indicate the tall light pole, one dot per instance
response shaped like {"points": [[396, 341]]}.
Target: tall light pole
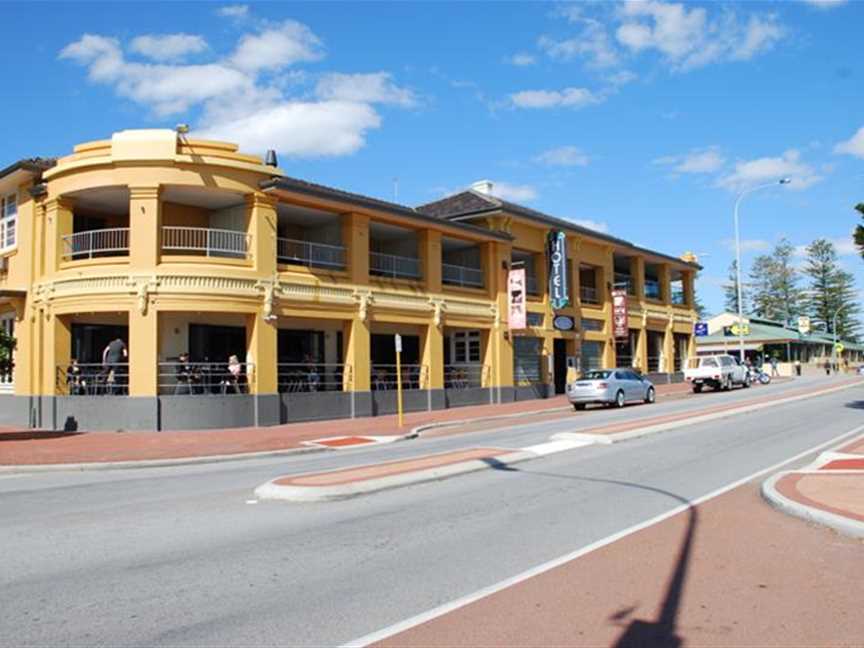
{"points": [[834, 333], [782, 181]]}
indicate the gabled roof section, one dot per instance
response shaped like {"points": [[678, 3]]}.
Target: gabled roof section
{"points": [[322, 191], [33, 165], [473, 203]]}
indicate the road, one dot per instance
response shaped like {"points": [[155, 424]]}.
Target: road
{"points": [[185, 556]]}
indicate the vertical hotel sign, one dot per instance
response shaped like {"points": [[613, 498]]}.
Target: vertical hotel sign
{"points": [[516, 307], [558, 270], [619, 313]]}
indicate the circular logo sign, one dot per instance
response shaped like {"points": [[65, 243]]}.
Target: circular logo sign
{"points": [[563, 323]]}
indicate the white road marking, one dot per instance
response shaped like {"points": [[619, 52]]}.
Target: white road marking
{"points": [[252, 501], [461, 602]]}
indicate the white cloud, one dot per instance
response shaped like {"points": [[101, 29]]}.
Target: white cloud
{"points": [[597, 226], [296, 128], [377, 87], [853, 146], [513, 192], [843, 246], [167, 47], [239, 99], [522, 60], [592, 43], [825, 4], [277, 47], [233, 11], [566, 98], [688, 38], [708, 160], [748, 245], [771, 169], [562, 156]]}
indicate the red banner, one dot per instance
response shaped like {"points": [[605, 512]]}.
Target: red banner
{"points": [[516, 306], [619, 314]]}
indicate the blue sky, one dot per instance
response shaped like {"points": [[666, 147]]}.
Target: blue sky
{"points": [[639, 118]]}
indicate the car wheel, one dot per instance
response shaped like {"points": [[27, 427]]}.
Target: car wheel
{"points": [[619, 399], [746, 383], [650, 396], [578, 406], [697, 389]]}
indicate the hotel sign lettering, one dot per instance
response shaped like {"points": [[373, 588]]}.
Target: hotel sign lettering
{"points": [[558, 270], [516, 307], [619, 313]]}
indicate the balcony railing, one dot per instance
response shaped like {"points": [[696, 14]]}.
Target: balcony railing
{"points": [[652, 289], [200, 378], [390, 265], [588, 295], [303, 377], [92, 379], [384, 376], [96, 243], [678, 298], [456, 275], [314, 255], [624, 281], [209, 241]]}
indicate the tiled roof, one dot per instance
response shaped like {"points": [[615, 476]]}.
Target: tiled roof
{"points": [[35, 165]]}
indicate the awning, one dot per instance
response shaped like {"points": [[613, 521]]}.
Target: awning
{"points": [[723, 348]]}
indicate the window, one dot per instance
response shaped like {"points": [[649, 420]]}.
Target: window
{"points": [[465, 347], [7, 324], [8, 221], [592, 324]]}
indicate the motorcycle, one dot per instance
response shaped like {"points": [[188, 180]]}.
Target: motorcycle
{"points": [[758, 375]]}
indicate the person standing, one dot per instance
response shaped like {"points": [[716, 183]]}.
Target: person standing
{"points": [[773, 361], [114, 356]]}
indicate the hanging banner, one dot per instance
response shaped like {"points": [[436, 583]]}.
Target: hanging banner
{"points": [[558, 294], [516, 307], [619, 313], [804, 325]]}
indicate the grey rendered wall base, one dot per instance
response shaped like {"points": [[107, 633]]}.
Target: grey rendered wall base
{"points": [[15, 410]]}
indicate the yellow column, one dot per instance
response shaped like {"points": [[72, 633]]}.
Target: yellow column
{"points": [[262, 352], [56, 345], [261, 226], [637, 277], [355, 238], [640, 354], [548, 353], [605, 279], [669, 349], [689, 288], [575, 297], [59, 223], [430, 259], [665, 283], [143, 345], [357, 355], [432, 356], [145, 227], [498, 351]]}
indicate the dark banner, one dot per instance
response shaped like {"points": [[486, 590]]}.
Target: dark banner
{"points": [[558, 270]]}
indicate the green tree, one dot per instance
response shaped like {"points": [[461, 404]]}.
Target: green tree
{"points": [[831, 290], [858, 234], [7, 346], [774, 281], [730, 291]]}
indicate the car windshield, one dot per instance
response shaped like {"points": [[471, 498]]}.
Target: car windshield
{"points": [[596, 375], [709, 362]]}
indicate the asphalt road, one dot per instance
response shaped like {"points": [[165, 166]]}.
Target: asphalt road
{"points": [[182, 556]]}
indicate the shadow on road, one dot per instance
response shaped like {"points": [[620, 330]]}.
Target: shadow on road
{"points": [[661, 632], [859, 405], [34, 435]]}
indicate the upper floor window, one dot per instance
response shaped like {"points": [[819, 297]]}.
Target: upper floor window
{"points": [[8, 221], [465, 347]]}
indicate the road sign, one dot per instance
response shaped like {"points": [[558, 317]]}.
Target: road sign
{"points": [[740, 329], [398, 340], [700, 329], [839, 347], [804, 325], [563, 323]]}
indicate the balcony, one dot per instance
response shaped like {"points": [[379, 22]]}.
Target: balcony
{"points": [[679, 298], [652, 289], [624, 281], [588, 295], [393, 266], [462, 276], [309, 254], [206, 241], [96, 243]]}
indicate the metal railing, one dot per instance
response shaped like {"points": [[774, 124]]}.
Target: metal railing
{"points": [[383, 376], [101, 242], [92, 379], [390, 265], [652, 289], [299, 377], [456, 275], [624, 361], [654, 363], [588, 295], [310, 254], [7, 384], [199, 378], [465, 376], [206, 240]]}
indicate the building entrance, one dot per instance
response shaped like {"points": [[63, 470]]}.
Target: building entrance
{"points": [[560, 359]]}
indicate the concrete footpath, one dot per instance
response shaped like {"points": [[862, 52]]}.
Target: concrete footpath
{"points": [[20, 447], [829, 491]]}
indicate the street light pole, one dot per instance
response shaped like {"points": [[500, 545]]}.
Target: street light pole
{"points": [[741, 195]]}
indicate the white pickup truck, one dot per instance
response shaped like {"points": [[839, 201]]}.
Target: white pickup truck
{"points": [[717, 372]]}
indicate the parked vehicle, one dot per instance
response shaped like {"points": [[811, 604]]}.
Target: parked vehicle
{"points": [[757, 374], [717, 372], [610, 387]]}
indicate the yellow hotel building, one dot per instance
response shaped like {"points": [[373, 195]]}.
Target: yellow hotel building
{"points": [[157, 245]]}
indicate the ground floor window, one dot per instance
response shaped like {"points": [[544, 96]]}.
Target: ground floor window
{"points": [[7, 325], [654, 340], [625, 349], [592, 356], [383, 353], [308, 361], [682, 349], [527, 360]]}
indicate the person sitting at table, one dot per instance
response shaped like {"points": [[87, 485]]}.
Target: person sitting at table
{"points": [[75, 380], [231, 381], [187, 377]]}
